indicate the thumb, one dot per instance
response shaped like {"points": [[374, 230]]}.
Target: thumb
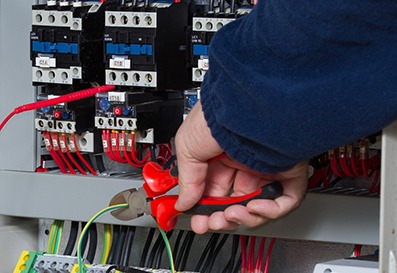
{"points": [[194, 146], [191, 183]]}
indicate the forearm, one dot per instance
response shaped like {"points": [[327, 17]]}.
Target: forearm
{"points": [[280, 91]]}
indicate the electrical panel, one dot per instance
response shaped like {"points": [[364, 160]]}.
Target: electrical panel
{"points": [[155, 54]]}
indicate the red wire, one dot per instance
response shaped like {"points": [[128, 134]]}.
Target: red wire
{"points": [[111, 154], [117, 152], [334, 167], [243, 254], [375, 182], [58, 161], [269, 252], [345, 167], [71, 157], [251, 254], [106, 145], [356, 170], [53, 154], [55, 138], [82, 158], [259, 258], [133, 153], [127, 156], [10, 115], [61, 99]]}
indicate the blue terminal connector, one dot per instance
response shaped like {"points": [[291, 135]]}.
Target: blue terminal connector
{"points": [[132, 49], [48, 47]]}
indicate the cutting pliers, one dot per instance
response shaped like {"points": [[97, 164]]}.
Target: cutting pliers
{"points": [[151, 199]]}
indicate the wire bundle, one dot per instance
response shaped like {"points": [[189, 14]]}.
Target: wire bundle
{"points": [[249, 264], [120, 147], [62, 148], [347, 161]]}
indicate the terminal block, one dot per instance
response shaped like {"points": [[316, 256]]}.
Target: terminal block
{"points": [[145, 47], [204, 26], [27, 261], [51, 263], [156, 116], [67, 44], [69, 118]]}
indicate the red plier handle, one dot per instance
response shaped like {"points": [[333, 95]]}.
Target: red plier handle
{"points": [[159, 181]]}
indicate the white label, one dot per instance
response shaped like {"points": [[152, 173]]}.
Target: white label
{"points": [[105, 144], [45, 62], [55, 143], [203, 64], [116, 96], [121, 142], [72, 146], [46, 142], [120, 63], [113, 142], [62, 144], [53, 97], [129, 142]]}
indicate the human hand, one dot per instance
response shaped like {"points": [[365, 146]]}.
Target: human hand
{"points": [[195, 146]]}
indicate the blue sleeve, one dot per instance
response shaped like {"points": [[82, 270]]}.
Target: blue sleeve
{"points": [[295, 78]]}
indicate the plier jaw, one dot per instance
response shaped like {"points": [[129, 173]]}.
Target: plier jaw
{"points": [[138, 204]]}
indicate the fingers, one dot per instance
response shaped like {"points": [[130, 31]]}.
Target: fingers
{"points": [[191, 137]]}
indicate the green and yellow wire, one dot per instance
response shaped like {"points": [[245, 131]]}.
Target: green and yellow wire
{"points": [[104, 257], [84, 231], [168, 247], [107, 239], [55, 237]]}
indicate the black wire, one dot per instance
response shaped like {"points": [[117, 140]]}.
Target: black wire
{"points": [[140, 152], [238, 265], [74, 230], [187, 251], [93, 242], [233, 7], [160, 251], [235, 244], [230, 264], [180, 257], [109, 270], [208, 248], [78, 160], [222, 6], [146, 3], [177, 243], [88, 159], [211, 260], [211, 6], [115, 236], [134, 3], [153, 153], [145, 250], [99, 163], [128, 246], [153, 252], [120, 244], [85, 240], [334, 182], [169, 162]]}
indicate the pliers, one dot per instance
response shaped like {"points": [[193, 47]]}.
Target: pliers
{"points": [[150, 199]]}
